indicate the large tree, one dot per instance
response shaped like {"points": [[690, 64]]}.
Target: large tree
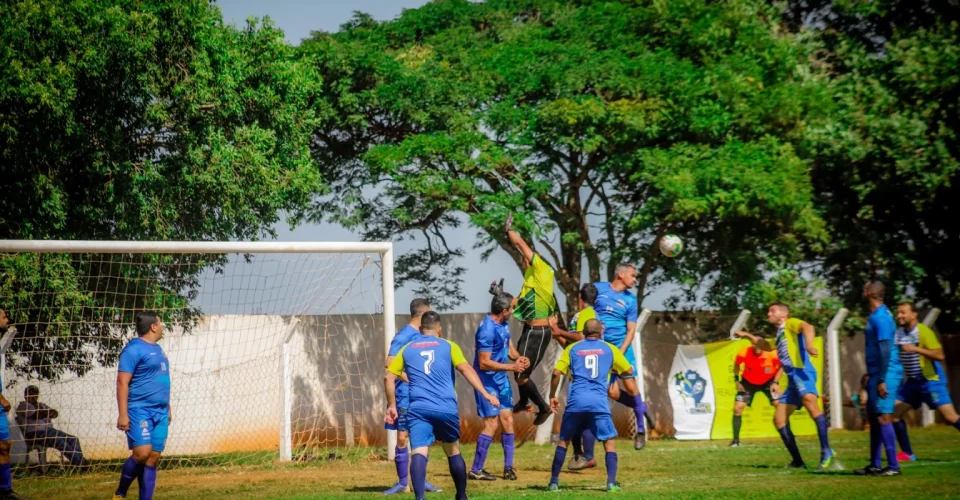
{"points": [[142, 120], [602, 125]]}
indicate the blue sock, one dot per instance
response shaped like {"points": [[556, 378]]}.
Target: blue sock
{"points": [[611, 460], [418, 475], [148, 482], [589, 443], [131, 470], [508, 441], [889, 438], [640, 410], [791, 443], [875, 443], [458, 471], [822, 434], [483, 443], [900, 428], [559, 457], [6, 480], [403, 464]]}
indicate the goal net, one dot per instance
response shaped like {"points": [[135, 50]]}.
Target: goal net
{"points": [[270, 346]]}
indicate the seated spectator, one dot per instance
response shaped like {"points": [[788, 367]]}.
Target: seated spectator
{"points": [[34, 418]]}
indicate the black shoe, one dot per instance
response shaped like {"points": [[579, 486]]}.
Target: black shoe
{"points": [[542, 416], [796, 465], [734, 444], [888, 471], [520, 408], [481, 475], [639, 440], [11, 495], [510, 474], [867, 471]]}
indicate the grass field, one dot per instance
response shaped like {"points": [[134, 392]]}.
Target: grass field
{"points": [[666, 469]]}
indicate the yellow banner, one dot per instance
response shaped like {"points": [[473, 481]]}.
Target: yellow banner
{"points": [[758, 418]]}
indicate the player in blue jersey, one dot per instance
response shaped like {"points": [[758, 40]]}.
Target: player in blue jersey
{"points": [[886, 374], [924, 379], [616, 308], [6, 479], [794, 346], [143, 399], [402, 459], [429, 362], [590, 364], [495, 357]]}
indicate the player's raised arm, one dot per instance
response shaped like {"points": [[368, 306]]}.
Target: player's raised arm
{"points": [[517, 241], [757, 341]]}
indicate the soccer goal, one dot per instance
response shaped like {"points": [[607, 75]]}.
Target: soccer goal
{"points": [[271, 345]]}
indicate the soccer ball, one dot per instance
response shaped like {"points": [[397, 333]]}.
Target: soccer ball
{"points": [[671, 245]]}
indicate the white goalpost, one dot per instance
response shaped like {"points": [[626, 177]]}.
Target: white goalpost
{"points": [[260, 336]]}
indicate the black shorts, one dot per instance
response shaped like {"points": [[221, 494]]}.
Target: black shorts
{"points": [[751, 390], [533, 344]]}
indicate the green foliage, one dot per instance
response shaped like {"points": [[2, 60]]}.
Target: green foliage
{"points": [[601, 125], [146, 120]]}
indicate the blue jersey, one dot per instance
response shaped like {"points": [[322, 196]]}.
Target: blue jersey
{"points": [[150, 384], [402, 338], [880, 327], [494, 338], [429, 363], [615, 309], [590, 362]]}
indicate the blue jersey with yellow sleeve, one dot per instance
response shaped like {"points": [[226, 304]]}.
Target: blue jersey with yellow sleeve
{"points": [[429, 363], [590, 363]]}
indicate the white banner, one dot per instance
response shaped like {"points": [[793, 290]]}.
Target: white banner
{"points": [[691, 393]]}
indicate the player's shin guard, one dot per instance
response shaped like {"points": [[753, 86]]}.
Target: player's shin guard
{"points": [[483, 443], [508, 441], [131, 470], [822, 434], [148, 482], [6, 480], [458, 471], [418, 475], [402, 461], [900, 428], [589, 443], [737, 422], [791, 443], [889, 438], [611, 461], [559, 457]]}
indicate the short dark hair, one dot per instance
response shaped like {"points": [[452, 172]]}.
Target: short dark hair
{"points": [[592, 328], [430, 321], [500, 303], [144, 320], [781, 305], [875, 289], [419, 306], [31, 390], [910, 304], [588, 294]]}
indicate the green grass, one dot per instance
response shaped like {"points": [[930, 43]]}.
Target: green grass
{"points": [[666, 469]]}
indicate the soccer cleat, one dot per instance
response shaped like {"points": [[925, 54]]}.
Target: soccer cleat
{"points": [[796, 465], [553, 487], [867, 471], [429, 488], [613, 488], [639, 440], [734, 444], [481, 475], [393, 490], [542, 416], [510, 474], [826, 461], [580, 463], [888, 471], [905, 457]]}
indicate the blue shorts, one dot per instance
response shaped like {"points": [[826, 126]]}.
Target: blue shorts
{"points": [[4, 427], [427, 426], [632, 359], [876, 405], [401, 424], [799, 383], [574, 423], [148, 426], [504, 393], [915, 392]]}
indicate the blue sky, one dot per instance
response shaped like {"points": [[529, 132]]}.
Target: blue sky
{"points": [[297, 18]]}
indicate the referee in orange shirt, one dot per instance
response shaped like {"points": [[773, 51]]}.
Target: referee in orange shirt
{"points": [[761, 370]]}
